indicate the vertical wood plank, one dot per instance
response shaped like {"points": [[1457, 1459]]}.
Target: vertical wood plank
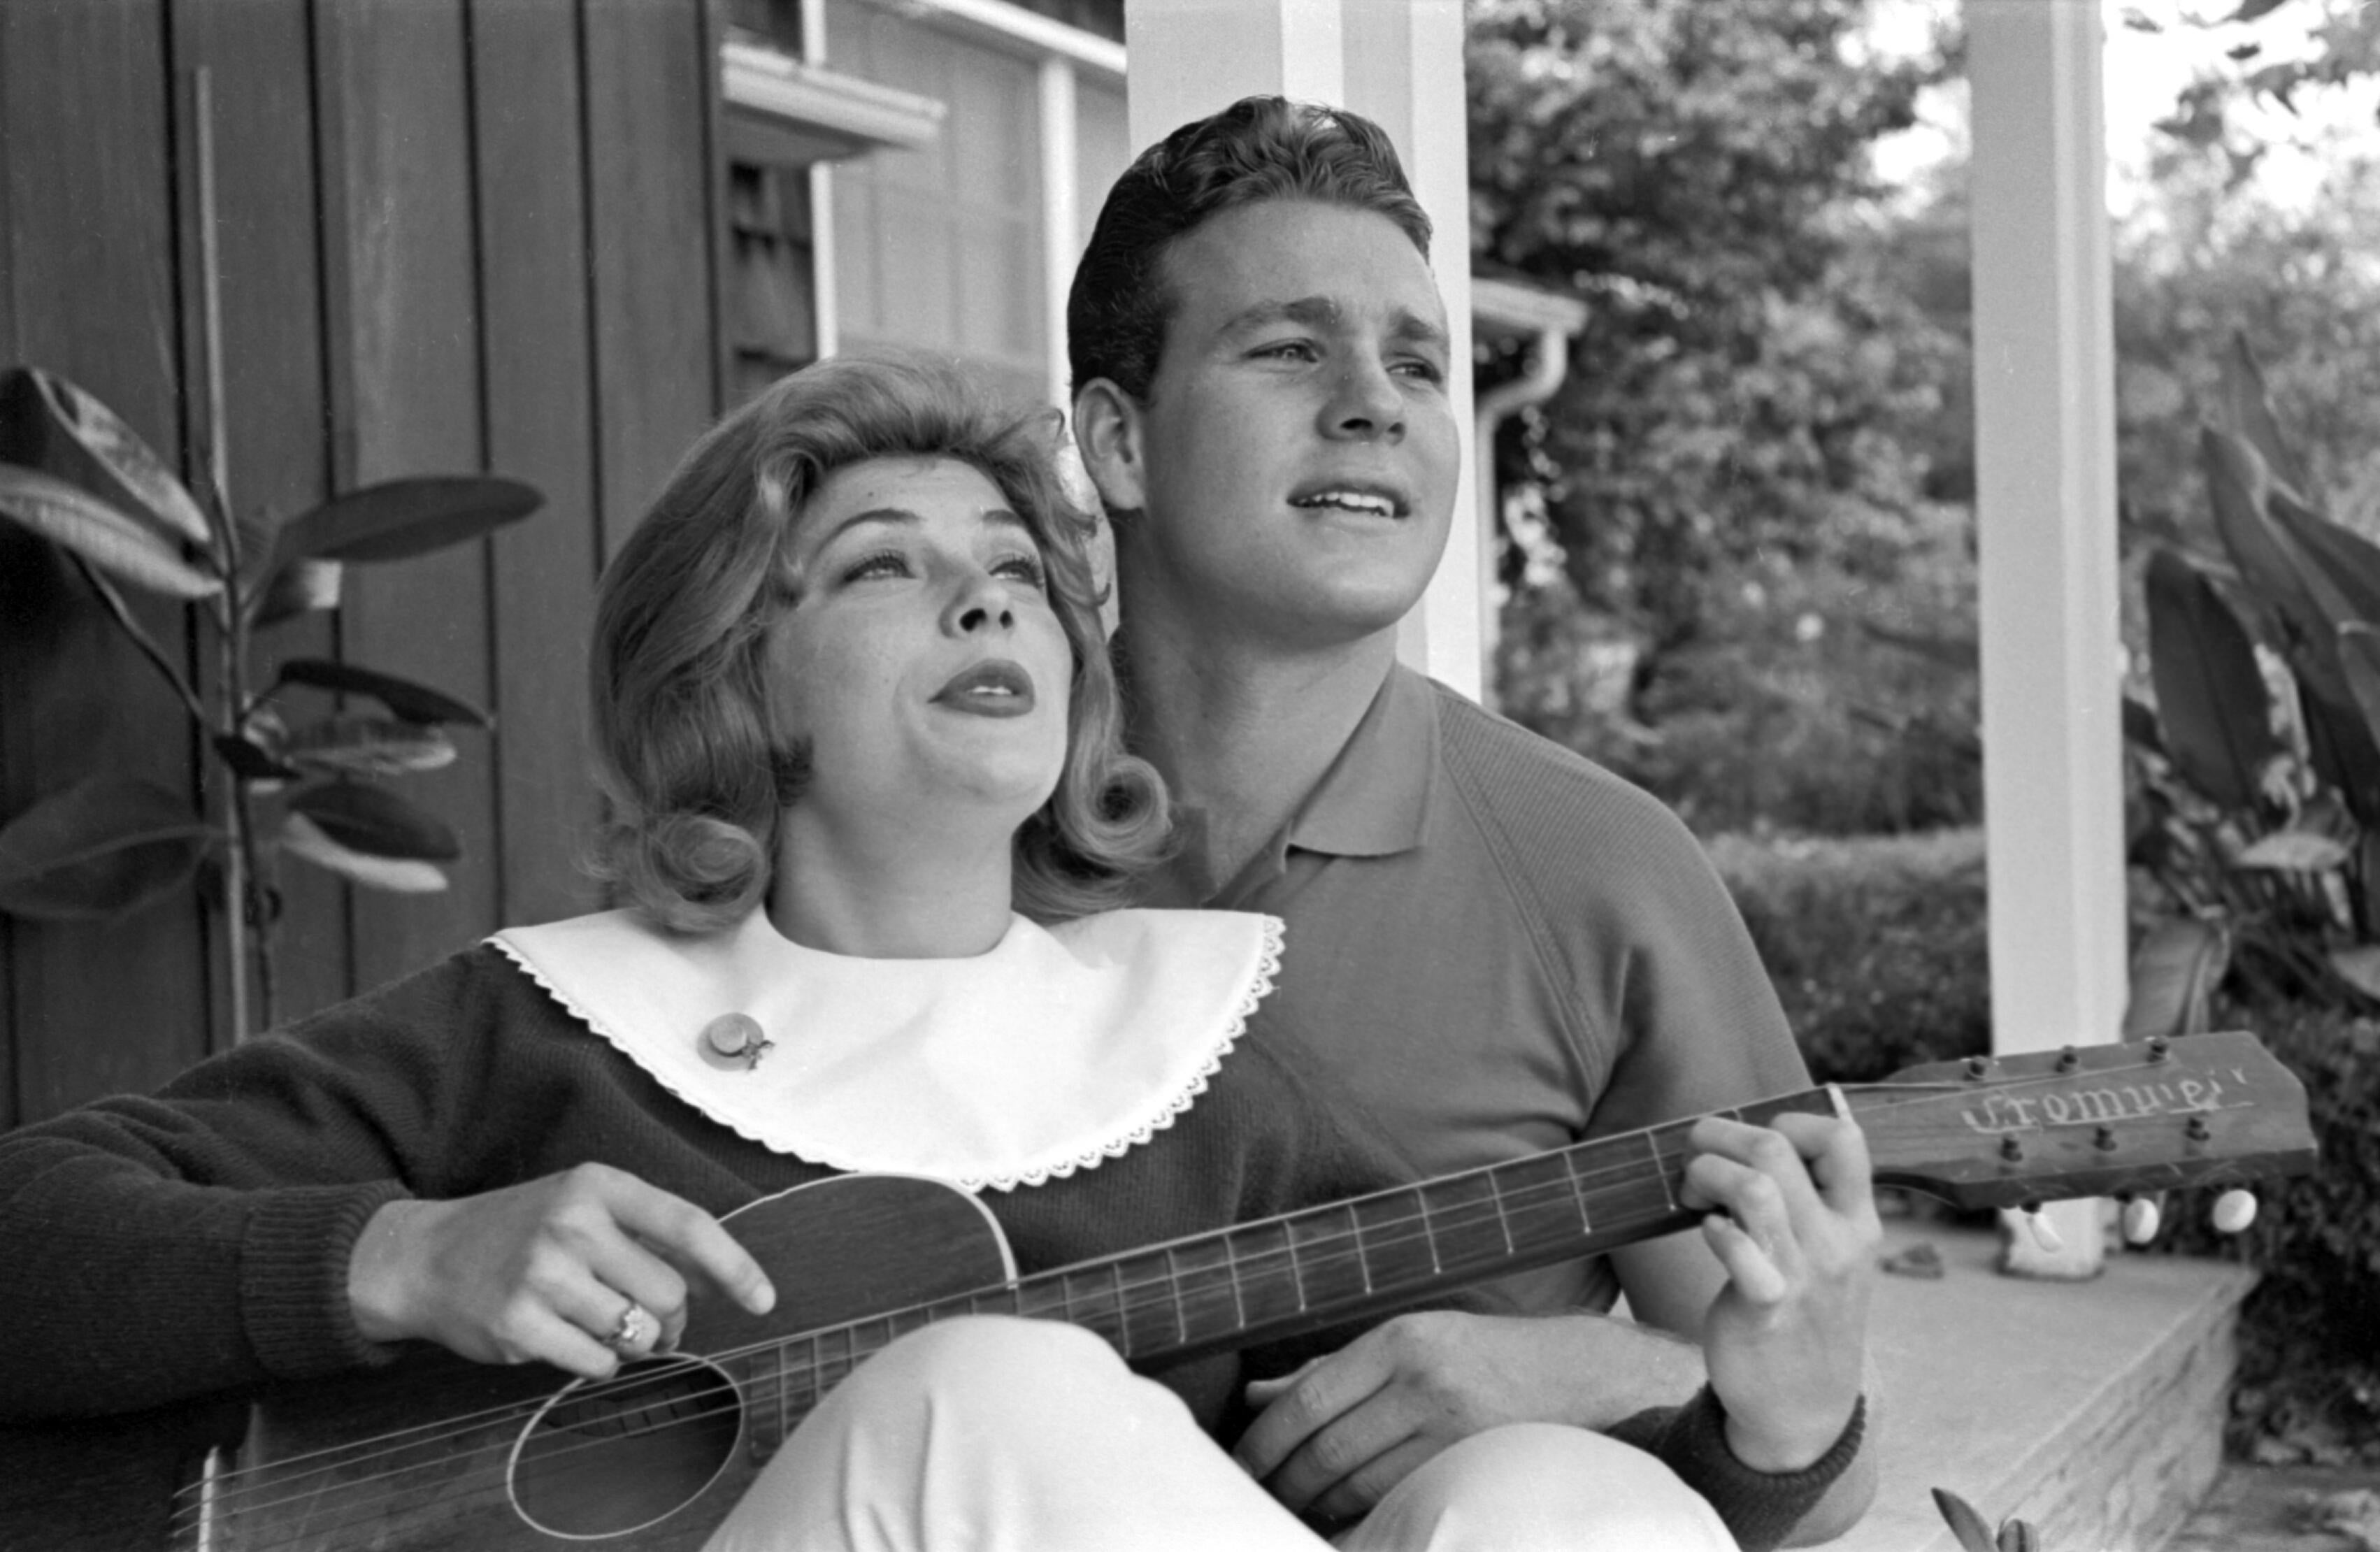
{"points": [[651, 85], [393, 83], [87, 263], [258, 55], [538, 359]]}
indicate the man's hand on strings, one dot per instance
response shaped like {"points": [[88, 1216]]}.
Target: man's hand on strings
{"points": [[1796, 1230], [550, 1269]]}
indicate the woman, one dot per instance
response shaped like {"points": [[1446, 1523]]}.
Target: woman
{"points": [[858, 740]]}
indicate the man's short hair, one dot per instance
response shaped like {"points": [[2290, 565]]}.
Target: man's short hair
{"points": [[1260, 148]]}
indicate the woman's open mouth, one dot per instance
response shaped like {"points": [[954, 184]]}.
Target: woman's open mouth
{"points": [[995, 687]]}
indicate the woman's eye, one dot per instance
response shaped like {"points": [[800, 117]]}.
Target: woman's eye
{"points": [[886, 562], [1422, 367], [1026, 569]]}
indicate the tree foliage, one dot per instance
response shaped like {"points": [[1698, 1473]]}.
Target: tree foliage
{"points": [[1697, 173]]}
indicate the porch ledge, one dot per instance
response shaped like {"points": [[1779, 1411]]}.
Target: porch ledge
{"points": [[2095, 1409]]}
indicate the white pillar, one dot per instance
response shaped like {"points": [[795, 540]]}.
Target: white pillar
{"points": [[2046, 504], [1400, 64]]}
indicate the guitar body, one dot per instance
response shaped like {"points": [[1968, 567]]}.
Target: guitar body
{"points": [[374, 1463]]}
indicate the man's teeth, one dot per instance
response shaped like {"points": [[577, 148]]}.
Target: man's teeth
{"points": [[1374, 506]]}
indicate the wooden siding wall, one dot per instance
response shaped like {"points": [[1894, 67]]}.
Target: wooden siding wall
{"points": [[455, 234]]}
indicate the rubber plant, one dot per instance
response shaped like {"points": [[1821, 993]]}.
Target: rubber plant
{"points": [[283, 780], [2255, 780]]}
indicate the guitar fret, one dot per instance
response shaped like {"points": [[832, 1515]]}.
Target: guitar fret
{"points": [[1577, 1190], [1173, 1285], [1503, 1222]]}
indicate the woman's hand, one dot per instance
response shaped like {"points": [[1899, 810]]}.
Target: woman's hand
{"points": [[1786, 1338], [545, 1270]]}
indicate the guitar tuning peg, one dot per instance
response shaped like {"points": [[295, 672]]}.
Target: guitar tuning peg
{"points": [[2142, 1218], [2234, 1211], [2051, 1241]]}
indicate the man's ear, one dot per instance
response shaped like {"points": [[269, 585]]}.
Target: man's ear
{"points": [[1109, 435]]}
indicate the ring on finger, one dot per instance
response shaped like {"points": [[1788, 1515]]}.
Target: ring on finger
{"points": [[636, 1328]]}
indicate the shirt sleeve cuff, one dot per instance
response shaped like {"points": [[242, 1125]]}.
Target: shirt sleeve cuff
{"points": [[293, 1275], [1759, 1508]]}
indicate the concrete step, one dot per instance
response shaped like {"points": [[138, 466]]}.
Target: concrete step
{"points": [[2094, 1410]]}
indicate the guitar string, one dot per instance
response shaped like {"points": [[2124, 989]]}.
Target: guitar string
{"points": [[1131, 1298], [1311, 1259], [1127, 1305]]}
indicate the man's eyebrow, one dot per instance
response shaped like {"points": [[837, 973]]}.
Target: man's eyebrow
{"points": [[1314, 312], [1325, 312], [1412, 328]]}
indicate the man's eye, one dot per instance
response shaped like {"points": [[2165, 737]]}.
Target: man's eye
{"points": [[1291, 350], [1422, 367]]}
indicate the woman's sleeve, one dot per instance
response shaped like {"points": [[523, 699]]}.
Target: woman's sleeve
{"points": [[154, 1248]]}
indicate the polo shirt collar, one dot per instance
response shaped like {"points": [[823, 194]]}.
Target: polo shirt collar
{"points": [[1374, 801]]}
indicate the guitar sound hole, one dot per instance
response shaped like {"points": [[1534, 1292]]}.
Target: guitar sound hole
{"points": [[605, 1458]]}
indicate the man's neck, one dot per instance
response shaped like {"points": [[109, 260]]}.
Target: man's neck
{"points": [[1242, 730]]}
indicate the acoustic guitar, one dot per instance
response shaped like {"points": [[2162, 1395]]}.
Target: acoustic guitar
{"points": [[437, 1452]]}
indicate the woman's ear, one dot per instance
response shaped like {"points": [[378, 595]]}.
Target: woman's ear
{"points": [[1108, 434]]}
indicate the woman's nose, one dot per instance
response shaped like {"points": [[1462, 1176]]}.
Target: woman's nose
{"points": [[982, 604]]}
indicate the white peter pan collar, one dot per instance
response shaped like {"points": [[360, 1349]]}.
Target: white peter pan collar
{"points": [[1060, 1046]]}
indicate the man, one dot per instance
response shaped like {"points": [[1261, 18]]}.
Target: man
{"points": [[1494, 947]]}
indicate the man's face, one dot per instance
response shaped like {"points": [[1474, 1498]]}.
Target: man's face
{"points": [[1296, 457]]}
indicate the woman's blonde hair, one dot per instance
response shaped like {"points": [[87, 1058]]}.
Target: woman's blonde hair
{"points": [[694, 772]]}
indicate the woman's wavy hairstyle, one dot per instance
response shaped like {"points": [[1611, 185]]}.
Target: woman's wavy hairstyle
{"points": [[694, 774]]}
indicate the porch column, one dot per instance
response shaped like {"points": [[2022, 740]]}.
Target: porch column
{"points": [[1400, 64], [2046, 510]]}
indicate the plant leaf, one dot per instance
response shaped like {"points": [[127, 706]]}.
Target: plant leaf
{"points": [[118, 453], [2359, 967], [251, 761], [2237, 484], [2359, 653], [2341, 746], [376, 822], [368, 747], [299, 587], [2174, 973], [2210, 693], [2247, 404], [98, 850], [2141, 726], [1966, 1523], [109, 539], [2294, 851], [403, 517], [301, 837], [2342, 566], [415, 703]]}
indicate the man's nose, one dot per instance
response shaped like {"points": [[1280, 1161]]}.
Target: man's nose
{"points": [[1365, 404]]}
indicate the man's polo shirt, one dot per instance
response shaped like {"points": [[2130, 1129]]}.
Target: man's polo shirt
{"points": [[1496, 947]]}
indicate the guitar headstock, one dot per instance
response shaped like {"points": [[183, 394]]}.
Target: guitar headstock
{"points": [[2091, 1121]]}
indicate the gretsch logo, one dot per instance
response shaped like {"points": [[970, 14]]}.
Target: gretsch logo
{"points": [[2002, 1111]]}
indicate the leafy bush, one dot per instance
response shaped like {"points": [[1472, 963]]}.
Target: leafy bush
{"points": [[2255, 782], [1798, 706], [1876, 944], [2309, 1383]]}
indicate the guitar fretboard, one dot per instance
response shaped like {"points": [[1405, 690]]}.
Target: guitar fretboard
{"points": [[1282, 1277]]}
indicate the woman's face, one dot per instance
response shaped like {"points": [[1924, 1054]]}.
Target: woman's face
{"points": [[922, 661]]}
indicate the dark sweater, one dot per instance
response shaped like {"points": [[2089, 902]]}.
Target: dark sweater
{"points": [[161, 1257]]}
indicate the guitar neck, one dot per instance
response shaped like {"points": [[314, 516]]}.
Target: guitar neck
{"points": [[1283, 1277]]}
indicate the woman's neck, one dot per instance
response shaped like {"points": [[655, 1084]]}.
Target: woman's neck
{"points": [[922, 894]]}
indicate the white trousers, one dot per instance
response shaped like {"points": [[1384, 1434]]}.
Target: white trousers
{"points": [[995, 1435]]}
